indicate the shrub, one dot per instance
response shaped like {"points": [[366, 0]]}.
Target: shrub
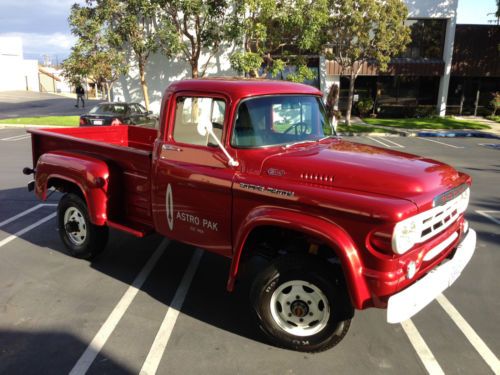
{"points": [[365, 105]]}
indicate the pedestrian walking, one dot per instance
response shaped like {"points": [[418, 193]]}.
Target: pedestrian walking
{"points": [[80, 93]]}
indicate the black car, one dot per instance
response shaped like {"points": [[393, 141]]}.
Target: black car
{"points": [[118, 113]]}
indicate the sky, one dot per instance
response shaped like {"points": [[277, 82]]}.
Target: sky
{"points": [[43, 24]]}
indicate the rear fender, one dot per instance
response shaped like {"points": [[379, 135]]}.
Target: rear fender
{"points": [[324, 230], [89, 174]]}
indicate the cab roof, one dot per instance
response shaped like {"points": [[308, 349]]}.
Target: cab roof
{"points": [[238, 87]]}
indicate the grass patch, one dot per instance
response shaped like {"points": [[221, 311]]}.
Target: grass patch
{"points": [[437, 123], [494, 118], [360, 129], [45, 120]]}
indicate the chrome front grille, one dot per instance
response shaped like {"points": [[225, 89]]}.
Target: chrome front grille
{"points": [[439, 218]]}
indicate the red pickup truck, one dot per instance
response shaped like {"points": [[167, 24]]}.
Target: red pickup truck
{"points": [[252, 170]]}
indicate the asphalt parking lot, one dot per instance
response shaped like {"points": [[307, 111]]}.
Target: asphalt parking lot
{"points": [[115, 315]]}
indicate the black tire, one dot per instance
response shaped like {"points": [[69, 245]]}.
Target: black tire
{"points": [[85, 246], [336, 313]]}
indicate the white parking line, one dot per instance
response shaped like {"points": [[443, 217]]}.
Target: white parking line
{"points": [[114, 318], [441, 143], [487, 215], [12, 237], [15, 138], [382, 143], [424, 353], [471, 335], [150, 365], [38, 206], [397, 144]]}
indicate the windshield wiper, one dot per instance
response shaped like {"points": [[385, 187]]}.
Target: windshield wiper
{"points": [[328, 136], [288, 145]]}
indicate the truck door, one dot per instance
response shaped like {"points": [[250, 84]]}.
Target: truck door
{"points": [[192, 198]]}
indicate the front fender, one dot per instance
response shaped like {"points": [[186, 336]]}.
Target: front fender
{"points": [[88, 173], [321, 228]]}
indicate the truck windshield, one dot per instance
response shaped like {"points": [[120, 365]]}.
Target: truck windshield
{"points": [[280, 120]]}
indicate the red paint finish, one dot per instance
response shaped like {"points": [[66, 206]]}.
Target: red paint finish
{"points": [[341, 194]]}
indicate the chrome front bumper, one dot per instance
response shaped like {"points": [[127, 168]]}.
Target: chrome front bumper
{"points": [[408, 302]]}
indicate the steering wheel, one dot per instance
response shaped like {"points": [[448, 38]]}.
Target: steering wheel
{"points": [[301, 128]]}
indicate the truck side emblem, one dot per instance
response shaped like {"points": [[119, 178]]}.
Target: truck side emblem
{"points": [[275, 172], [170, 207]]}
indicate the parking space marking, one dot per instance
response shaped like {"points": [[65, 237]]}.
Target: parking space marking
{"points": [[487, 215], [424, 353], [102, 336], [150, 365], [14, 218], [397, 144], [15, 138], [382, 143], [12, 237], [441, 143], [471, 335]]}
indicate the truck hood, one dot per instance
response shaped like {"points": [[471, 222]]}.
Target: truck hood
{"points": [[356, 166]]}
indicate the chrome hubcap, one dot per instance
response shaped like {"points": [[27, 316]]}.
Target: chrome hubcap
{"points": [[300, 308], [75, 226]]}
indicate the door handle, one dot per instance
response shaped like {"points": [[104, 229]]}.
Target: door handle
{"points": [[170, 148]]}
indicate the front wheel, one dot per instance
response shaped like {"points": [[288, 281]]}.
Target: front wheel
{"points": [[82, 238], [301, 303]]}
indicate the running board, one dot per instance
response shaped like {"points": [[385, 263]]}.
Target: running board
{"points": [[141, 230]]}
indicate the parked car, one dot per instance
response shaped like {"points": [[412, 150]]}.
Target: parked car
{"points": [[117, 114]]}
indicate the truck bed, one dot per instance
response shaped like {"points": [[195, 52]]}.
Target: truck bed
{"points": [[126, 149], [121, 135]]}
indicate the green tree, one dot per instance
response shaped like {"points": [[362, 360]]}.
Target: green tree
{"points": [[278, 33], [199, 25], [365, 31], [128, 27], [92, 57]]}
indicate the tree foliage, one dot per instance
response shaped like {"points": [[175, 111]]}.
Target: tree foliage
{"points": [[200, 25], [92, 57], [278, 33], [365, 31]]}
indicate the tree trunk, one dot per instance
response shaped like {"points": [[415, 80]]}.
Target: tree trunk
{"points": [[350, 97], [108, 91], [194, 69], [144, 85]]}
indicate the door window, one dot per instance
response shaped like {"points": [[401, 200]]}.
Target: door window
{"points": [[190, 111]]}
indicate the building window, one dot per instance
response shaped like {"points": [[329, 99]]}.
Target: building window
{"points": [[427, 39]]}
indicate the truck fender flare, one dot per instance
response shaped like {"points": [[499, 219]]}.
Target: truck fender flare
{"points": [[89, 174], [323, 229]]}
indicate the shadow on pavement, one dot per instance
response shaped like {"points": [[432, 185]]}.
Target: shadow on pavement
{"points": [[125, 255], [43, 352]]}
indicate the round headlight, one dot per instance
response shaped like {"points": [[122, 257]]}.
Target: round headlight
{"points": [[406, 234]]}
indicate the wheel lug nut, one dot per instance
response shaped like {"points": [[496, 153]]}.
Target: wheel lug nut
{"points": [[310, 314], [288, 303], [301, 320], [298, 297], [289, 315], [309, 302]]}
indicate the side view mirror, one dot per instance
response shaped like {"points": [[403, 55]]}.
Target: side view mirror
{"points": [[205, 127]]}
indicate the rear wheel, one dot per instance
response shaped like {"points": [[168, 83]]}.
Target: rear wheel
{"points": [[301, 303], [82, 238]]}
